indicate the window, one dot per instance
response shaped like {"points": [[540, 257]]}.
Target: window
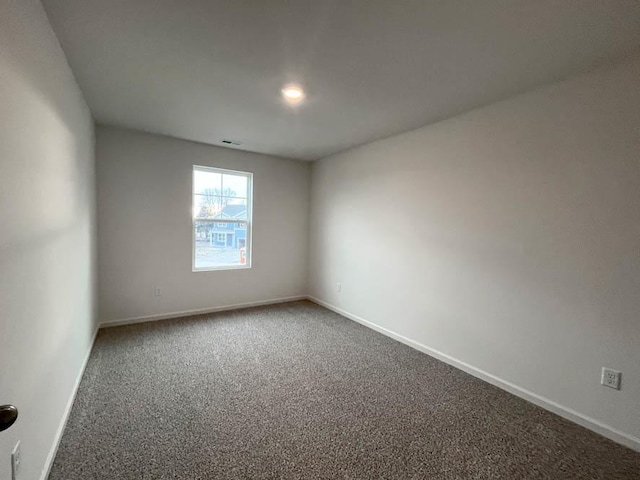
{"points": [[222, 199]]}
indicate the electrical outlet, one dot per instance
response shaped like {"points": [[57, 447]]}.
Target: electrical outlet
{"points": [[611, 378], [16, 460], [157, 292], [339, 287]]}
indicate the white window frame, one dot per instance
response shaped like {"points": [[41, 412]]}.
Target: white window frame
{"points": [[248, 222]]}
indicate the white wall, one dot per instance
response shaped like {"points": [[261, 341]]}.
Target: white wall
{"points": [[507, 238], [144, 224], [47, 234]]}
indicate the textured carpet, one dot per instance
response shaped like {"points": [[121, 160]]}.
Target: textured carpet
{"points": [[295, 391]]}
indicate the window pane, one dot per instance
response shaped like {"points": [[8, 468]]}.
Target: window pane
{"points": [[213, 206], [222, 216], [234, 185], [205, 180], [208, 205], [220, 246], [235, 208]]}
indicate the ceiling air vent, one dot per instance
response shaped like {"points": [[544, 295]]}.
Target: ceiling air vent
{"points": [[232, 142]]}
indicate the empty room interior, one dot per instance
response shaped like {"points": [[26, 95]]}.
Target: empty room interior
{"points": [[316, 239]]}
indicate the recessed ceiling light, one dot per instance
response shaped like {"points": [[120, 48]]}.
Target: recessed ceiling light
{"points": [[293, 93]]}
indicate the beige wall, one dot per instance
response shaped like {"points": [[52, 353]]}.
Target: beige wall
{"points": [[144, 224], [47, 234], [507, 238]]}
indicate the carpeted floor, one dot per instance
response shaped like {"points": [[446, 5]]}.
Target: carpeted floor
{"points": [[295, 391]]}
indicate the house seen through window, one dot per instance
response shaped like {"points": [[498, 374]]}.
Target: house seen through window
{"points": [[222, 206]]}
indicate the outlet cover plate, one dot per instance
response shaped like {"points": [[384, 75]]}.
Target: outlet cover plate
{"points": [[611, 378]]}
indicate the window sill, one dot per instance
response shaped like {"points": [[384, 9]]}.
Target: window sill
{"points": [[220, 269]]}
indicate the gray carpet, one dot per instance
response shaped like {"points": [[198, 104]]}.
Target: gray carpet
{"points": [[295, 391]]}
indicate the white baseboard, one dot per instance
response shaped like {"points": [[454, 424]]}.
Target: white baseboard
{"points": [[554, 407], [187, 313], [67, 411]]}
